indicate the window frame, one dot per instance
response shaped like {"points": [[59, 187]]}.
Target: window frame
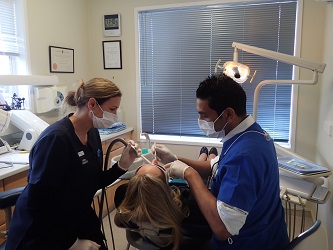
{"points": [[20, 64], [195, 141]]}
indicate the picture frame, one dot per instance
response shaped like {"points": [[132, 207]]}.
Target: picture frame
{"points": [[61, 59], [112, 54], [111, 25]]}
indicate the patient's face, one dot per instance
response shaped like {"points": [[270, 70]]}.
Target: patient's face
{"points": [[152, 170]]}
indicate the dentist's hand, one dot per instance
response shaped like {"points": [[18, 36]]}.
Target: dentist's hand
{"points": [[163, 154], [85, 245], [177, 169], [128, 155]]}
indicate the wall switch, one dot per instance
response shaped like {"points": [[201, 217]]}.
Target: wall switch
{"points": [[328, 128]]}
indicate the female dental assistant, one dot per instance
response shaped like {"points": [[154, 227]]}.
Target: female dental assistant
{"points": [[54, 211]]}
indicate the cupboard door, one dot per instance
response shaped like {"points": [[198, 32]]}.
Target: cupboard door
{"points": [[2, 214], [15, 181], [127, 136], [109, 204]]}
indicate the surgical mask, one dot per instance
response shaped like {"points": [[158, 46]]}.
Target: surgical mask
{"points": [[106, 121], [209, 130]]}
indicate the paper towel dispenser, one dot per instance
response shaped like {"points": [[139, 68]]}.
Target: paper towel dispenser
{"points": [[49, 98]]}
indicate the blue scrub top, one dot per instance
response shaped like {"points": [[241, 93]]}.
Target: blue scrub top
{"points": [[248, 178]]}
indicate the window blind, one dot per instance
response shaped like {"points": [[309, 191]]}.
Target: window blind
{"points": [[8, 34], [179, 48]]}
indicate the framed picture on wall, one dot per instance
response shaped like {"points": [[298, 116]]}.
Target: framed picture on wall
{"points": [[61, 60], [111, 25], [112, 54]]}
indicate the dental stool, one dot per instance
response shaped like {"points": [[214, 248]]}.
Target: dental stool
{"points": [[7, 201]]}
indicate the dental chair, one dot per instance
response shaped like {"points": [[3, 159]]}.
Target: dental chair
{"points": [[7, 202], [313, 238], [138, 240]]}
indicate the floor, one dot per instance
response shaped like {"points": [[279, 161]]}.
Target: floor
{"points": [[120, 241], [294, 231], [120, 237]]}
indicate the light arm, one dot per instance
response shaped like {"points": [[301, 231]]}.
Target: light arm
{"points": [[294, 60], [262, 83]]}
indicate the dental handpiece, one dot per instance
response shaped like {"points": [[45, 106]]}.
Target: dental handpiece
{"points": [[155, 156]]}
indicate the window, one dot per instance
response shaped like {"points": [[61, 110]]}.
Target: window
{"points": [[12, 49], [179, 48]]}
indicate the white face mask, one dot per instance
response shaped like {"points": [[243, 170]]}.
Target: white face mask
{"points": [[209, 130], [106, 121]]}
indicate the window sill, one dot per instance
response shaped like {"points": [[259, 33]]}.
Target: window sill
{"points": [[184, 140], [194, 141]]}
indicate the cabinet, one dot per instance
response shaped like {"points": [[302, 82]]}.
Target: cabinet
{"points": [[2, 214], [14, 181]]}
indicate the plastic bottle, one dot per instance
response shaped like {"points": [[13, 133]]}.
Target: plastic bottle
{"points": [[146, 147]]}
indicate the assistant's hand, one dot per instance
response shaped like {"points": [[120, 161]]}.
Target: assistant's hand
{"points": [[128, 155], [177, 169], [84, 245], [163, 154]]}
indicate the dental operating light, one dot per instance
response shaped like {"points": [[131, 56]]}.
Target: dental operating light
{"points": [[293, 60], [237, 71]]}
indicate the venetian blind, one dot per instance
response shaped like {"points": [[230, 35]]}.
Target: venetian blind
{"points": [[179, 48], [8, 35]]}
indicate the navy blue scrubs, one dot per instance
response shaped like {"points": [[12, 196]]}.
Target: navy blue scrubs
{"points": [[55, 207]]}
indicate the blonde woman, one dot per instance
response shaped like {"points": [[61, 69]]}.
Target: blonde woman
{"points": [[151, 206], [54, 211]]}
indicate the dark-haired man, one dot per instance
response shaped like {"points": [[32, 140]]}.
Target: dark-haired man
{"points": [[241, 199]]}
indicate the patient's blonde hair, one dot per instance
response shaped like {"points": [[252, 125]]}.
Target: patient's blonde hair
{"points": [[149, 199]]}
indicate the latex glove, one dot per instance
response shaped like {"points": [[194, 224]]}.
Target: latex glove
{"points": [[130, 152], [84, 245], [163, 154], [177, 169]]}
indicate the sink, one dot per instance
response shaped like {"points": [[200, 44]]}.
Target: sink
{"points": [[132, 169]]}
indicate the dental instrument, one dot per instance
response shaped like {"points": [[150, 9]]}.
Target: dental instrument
{"points": [[155, 156], [146, 160]]}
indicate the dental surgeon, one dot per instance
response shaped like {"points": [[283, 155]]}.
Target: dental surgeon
{"points": [[54, 211], [241, 199]]}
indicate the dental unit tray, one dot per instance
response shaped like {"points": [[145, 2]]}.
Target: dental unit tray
{"points": [[302, 168]]}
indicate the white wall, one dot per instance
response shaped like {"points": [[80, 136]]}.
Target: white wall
{"points": [[59, 23], [324, 143], [308, 96]]}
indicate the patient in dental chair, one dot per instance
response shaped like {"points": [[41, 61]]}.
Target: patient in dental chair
{"points": [[164, 215]]}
